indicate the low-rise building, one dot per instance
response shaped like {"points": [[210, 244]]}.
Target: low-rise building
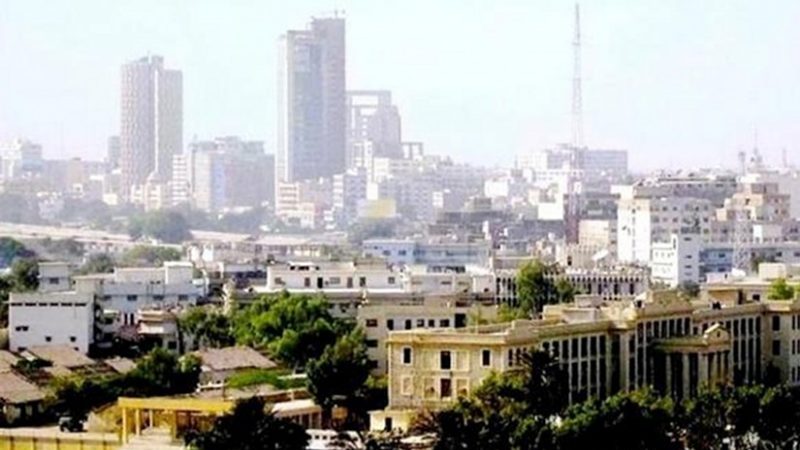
{"points": [[671, 344], [218, 365], [51, 318], [378, 318]]}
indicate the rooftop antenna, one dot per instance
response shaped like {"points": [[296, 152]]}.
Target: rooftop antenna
{"points": [[571, 219], [758, 161], [577, 97]]}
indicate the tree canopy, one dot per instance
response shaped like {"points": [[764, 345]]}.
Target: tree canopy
{"points": [[779, 289], [249, 427], [207, 328], [527, 410], [150, 256], [164, 225], [535, 288], [295, 328], [338, 376]]}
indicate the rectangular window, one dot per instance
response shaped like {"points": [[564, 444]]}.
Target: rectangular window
{"points": [[408, 324], [372, 343], [390, 324], [444, 323], [776, 323], [486, 358], [48, 339], [420, 323], [431, 323], [371, 323], [445, 360], [445, 388], [362, 282], [391, 280], [406, 355], [132, 298], [776, 347], [306, 282]]}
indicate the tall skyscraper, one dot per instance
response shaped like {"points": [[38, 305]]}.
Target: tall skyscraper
{"points": [[312, 101], [373, 127], [151, 122]]}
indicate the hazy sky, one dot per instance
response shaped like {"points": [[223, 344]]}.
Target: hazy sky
{"points": [[677, 83]]}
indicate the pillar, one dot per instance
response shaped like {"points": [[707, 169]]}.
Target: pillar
{"points": [[702, 369], [137, 420], [124, 426], [686, 383], [668, 369]]}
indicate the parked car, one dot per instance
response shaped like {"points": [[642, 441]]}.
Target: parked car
{"points": [[70, 424]]}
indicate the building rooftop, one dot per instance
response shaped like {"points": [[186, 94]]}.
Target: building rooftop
{"points": [[60, 355], [233, 358], [7, 361], [15, 389]]}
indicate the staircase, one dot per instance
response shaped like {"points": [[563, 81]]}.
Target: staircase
{"points": [[153, 439]]}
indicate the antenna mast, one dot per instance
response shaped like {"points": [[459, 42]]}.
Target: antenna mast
{"points": [[571, 222], [577, 96]]}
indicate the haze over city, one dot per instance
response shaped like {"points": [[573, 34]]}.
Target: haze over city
{"points": [[678, 84]]}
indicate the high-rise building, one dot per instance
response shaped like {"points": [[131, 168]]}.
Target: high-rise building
{"points": [[373, 127], [112, 153], [151, 125], [311, 101], [229, 173]]}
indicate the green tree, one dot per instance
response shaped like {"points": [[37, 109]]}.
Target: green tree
{"points": [[12, 249], [163, 225], [161, 372], [511, 410], [98, 263], [565, 291], [339, 375], [639, 420], [779, 289], [534, 288], [78, 396], [24, 275], [206, 328], [295, 328], [148, 255], [249, 427]]}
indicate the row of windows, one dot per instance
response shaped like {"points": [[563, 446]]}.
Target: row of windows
{"points": [[134, 298], [408, 324], [446, 358], [583, 347], [50, 305]]}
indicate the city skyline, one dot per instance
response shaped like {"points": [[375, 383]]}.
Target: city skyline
{"points": [[655, 94]]}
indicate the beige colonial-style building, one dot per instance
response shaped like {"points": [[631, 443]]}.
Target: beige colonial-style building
{"points": [[663, 341]]}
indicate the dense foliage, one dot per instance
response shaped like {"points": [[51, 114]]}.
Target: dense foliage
{"points": [[206, 328], [535, 289], [338, 377], [160, 372], [23, 276], [249, 427], [295, 328], [779, 289], [163, 225], [527, 410]]}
